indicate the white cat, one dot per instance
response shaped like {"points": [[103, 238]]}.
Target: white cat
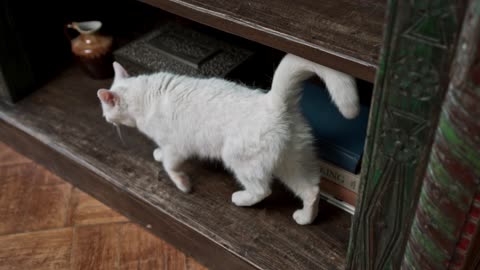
{"points": [[257, 135]]}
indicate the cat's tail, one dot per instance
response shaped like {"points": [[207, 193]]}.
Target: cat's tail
{"points": [[293, 70]]}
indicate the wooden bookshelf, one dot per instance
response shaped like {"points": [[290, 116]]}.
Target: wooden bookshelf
{"points": [[429, 76], [343, 34]]}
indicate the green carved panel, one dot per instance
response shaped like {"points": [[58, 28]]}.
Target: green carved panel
{"points": [[447, 215], [419, 41]]}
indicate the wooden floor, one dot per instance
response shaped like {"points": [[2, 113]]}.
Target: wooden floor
{"points": [[46, 223]]}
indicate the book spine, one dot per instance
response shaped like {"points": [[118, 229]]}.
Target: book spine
{"points": [[339, 192], [339, 176]]}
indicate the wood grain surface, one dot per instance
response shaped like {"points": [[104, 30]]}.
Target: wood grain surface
{"points": [[87, 210], [49, 249], [344, 35]]}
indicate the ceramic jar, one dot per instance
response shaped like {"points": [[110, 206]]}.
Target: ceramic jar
{"points": [[92, 49]]}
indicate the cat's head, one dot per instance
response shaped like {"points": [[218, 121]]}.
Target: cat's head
{"points": [[114, 101]]}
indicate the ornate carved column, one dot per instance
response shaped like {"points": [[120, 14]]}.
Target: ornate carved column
{"points": [[411, 83], [448, 213]]}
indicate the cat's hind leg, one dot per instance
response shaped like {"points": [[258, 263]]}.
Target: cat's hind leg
{"points": [[310, 197], [253, 177], [256, 189], [252, 159], [302, 177]]}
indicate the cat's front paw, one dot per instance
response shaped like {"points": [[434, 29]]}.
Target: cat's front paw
{"points": [[182, 181], [246, 198], [157, 154]]}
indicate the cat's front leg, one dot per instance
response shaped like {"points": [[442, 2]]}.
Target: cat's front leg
{"points": [[171, 162]]}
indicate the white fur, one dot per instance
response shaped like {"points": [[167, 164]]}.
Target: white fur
{"points": [[256, 135]]}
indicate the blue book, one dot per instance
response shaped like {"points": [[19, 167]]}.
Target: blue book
{"points": [[337, 139]]}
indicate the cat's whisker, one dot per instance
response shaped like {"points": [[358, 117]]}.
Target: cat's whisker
{"points": [[119, 132]]}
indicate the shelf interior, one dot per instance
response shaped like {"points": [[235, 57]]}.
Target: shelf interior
{"points": [[65, 115]]}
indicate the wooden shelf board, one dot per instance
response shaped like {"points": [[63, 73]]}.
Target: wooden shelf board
{"points": [[342, 34], [60, 126]]}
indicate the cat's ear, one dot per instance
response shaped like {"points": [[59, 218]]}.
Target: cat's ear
{"points": [[107, 97], [120, 72]]}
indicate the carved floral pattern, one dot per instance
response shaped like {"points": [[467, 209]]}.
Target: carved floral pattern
{"points": [[410, 86]]}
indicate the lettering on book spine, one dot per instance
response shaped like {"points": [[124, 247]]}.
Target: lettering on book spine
{"points": [[337, 176]]}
